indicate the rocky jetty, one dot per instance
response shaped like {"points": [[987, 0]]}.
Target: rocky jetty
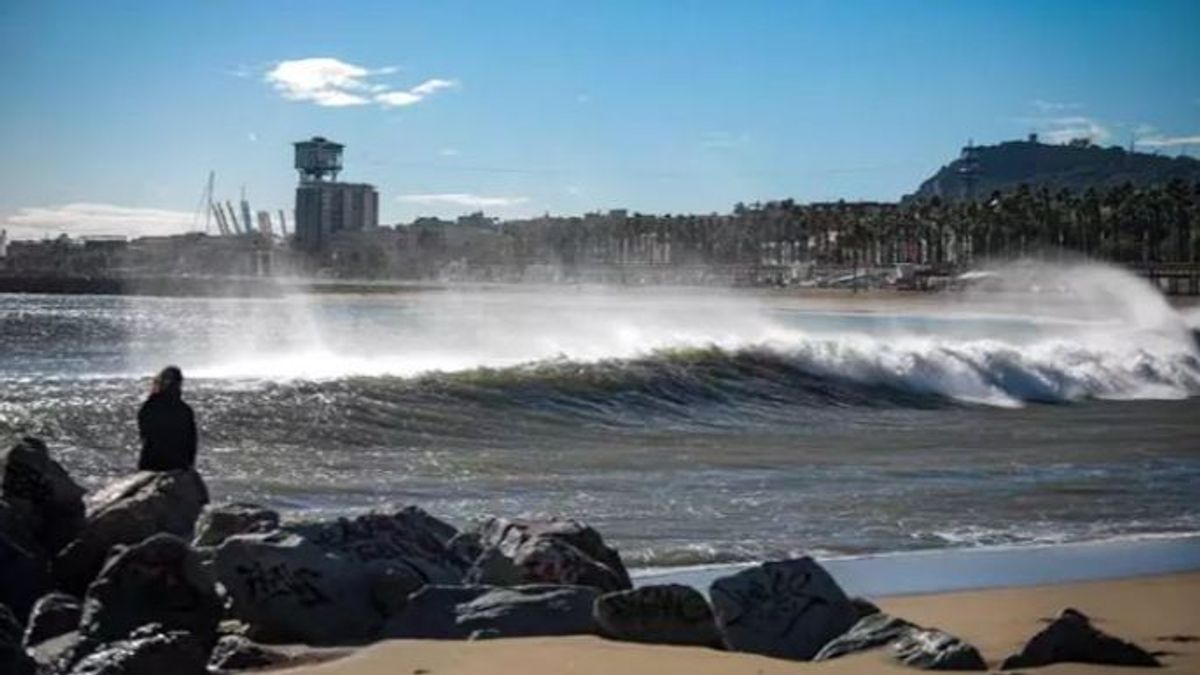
{"points": [[149, 578]]}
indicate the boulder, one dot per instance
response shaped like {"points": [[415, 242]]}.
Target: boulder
{"points": [[932, 649], [126, 512], [13, 658], [234, 652], [151, 650], [871, 631], [789, 609], [1072, 638], [546, 552], [218, 523], [40, 488], [334, 582], [288, 589], [53, 614], [666, 614], [159, 580], [24, 573], [458, 612], [864, 607]]}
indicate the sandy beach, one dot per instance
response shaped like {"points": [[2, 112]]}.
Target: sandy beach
{"points": [[1160, 613]]}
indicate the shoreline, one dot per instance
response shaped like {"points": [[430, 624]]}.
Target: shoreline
{"points": [[944, 570], [1160, 613]]}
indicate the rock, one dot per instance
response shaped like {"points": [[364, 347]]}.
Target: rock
{"points": [[38, 486], [787, 609], [218, 523], [334, 582], [457, 612], [24, 574], [288, 589], [52, 615], [932, 649], [54, 655], [234, 652], [126, 512], [159, 580], [1072, 638], [13, 658], [864, 607], [149, 651], [871, 631], [547, 552], [667, 614]]}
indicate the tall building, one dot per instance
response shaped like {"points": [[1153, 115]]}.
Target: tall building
{"points": [[323, 205]]}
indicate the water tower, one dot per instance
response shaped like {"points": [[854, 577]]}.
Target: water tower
{"points": [[318, 160]]}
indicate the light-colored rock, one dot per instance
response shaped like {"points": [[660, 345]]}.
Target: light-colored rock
{"points": [[218, 522], [234, 652], [159, 580], [546, 552], [458, 612], [1072, 638], [787, 609], [871, 631], [126, 512], [932, 649], [151, 650], [666, 614], [53, 614]]}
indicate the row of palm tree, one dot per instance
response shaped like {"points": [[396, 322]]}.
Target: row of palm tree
{"points": [[1140, 225]]}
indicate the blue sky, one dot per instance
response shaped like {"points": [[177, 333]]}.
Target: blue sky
{"points": [[114, 112]]}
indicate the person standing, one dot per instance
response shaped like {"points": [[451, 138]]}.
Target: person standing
{"points": [[167, 425]]}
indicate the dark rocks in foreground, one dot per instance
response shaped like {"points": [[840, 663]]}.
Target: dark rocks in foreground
{"points": [[334, 582], [13, 658], [1072, 638], [789, 609], [128, 511], [670, 614], [159, 581], [41, 491], [460, 612], [567, 552]]}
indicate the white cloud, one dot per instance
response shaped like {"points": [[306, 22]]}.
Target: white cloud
{"points": [[333, 83], [84, 219], [462, 199], [252, 137], [1045, 106], [1169, 141], [449, 152]]}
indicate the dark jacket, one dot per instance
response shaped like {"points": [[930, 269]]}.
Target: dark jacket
{"points": [[168, 430]]}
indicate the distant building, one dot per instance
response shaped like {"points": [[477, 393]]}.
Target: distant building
{"points": [[324, 206]]}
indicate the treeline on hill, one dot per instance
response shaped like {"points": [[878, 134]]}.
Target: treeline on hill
{"points": [[1124, 224]]}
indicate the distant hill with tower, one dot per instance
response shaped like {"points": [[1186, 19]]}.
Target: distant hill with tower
{"points": [[981, 170]]}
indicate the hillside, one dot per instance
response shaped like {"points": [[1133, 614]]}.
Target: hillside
{"points": [[1075, 167]]}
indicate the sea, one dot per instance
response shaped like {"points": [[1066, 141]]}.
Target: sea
{"points": [[691, 426]]}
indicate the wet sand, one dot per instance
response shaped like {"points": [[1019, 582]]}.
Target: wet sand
{"points": [[1160, 613]]}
